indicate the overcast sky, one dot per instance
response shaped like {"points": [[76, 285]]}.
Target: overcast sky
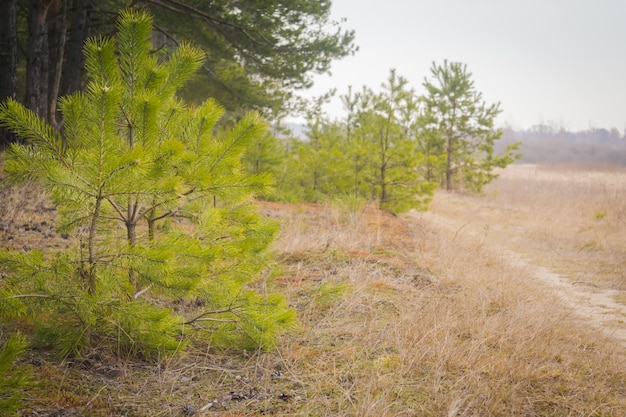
{"points": [[560, 62]]}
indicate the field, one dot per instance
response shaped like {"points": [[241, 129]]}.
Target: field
{"points": [[473, 309], [568, 222], [571, 218]]}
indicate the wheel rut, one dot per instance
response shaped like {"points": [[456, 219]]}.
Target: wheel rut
{"points": [[588, 303]]}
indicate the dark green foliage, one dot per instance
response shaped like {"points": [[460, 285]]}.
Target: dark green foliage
{"points": [[160, 207], [258, 52]]}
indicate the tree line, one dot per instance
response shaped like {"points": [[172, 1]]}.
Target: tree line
{"points": [[551, 144], [393, 146], [259, 53]]}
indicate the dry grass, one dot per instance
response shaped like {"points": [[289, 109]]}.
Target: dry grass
{"points": [[565, 218], [435, 324], [398, 318]]}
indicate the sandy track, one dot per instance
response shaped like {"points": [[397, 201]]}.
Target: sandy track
{"points": [[588, 303]]}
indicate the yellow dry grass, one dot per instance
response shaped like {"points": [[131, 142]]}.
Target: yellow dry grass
{"points": [[567, 218], [436, 324]]}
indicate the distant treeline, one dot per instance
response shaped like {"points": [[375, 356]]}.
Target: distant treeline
{"points": [[546, 144]]}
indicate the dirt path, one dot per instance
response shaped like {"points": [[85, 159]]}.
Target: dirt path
{"points": [[507, 234]]}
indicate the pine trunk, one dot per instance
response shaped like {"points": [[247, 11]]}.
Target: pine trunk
{"points": [[8, 59], [77, 34], [90, 273], [383, 188], [131, 233], [37, 57], [384, 147], [449, 152], [131, 239], [56, 37]]}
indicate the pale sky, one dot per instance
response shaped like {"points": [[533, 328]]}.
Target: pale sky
{"points": [[559, 62]]}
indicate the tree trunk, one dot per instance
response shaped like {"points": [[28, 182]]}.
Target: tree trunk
{"points": [[131, 238], [449, 152], [90, 273], [8, 60], [151, 226], [77, 34], [56, 37], [131, 233], [383, 187], [37, 57], [384, 147], [8, 50]]}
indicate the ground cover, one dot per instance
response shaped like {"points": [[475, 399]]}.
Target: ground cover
{"points": [[399, 316]]}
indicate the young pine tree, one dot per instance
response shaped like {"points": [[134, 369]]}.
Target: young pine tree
{"points": [[458, 123], [393, 163], [160, 207]]}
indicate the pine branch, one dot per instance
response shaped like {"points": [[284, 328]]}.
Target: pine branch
{"points": [[28, 125], [202, 317], [216, 23], [28, 296]]}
